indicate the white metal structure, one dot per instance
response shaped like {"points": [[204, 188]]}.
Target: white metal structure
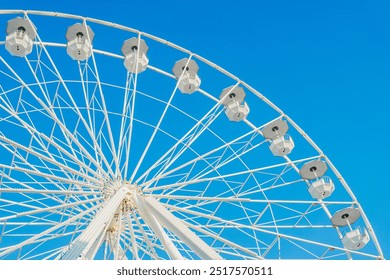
{"points": [[102, 161]]}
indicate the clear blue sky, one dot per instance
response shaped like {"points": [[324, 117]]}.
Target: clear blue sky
{"points": [[325, 63]]}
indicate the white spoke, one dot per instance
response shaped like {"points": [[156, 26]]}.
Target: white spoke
{"points": [[98, 152], [201, 180], [107, 120], [49, 111], [57, 192], [192, 138], [37, 236], [201, 157], [47, 159], [157, 126], [48, 209]]}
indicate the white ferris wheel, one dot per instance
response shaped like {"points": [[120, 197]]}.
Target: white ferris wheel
{"points": [[116, 144]]}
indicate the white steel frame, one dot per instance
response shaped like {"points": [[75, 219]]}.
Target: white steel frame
{"points": [[74, 185]]}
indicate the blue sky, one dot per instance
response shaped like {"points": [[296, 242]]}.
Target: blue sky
{"points": [[325, 63]]}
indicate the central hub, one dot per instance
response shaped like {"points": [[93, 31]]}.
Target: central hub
{"points": [[126, 205], [111, 187]]}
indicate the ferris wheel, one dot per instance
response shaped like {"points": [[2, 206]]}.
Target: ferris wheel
{"points": [[117, 144]]}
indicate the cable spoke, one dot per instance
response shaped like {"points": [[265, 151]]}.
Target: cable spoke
{"points": [[158, 125]]}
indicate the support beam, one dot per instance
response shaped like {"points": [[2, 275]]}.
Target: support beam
{"points": [[154, 224], [116, 247], [80, 248], [154, 214], [168, 220]]}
